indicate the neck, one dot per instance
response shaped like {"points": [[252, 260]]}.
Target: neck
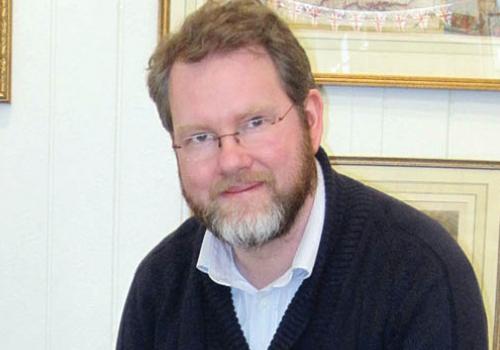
{"points": [[262, 265]]}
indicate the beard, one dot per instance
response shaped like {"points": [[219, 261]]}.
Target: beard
{"points": [[251, 224]]}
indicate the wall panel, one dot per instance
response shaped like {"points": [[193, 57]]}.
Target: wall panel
{"points": [[415, 123], [24, 159], [475, 125], [148, 201], [367, 121], [337, 127], [80, 268]]}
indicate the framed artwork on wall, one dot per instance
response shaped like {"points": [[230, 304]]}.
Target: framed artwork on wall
{"points": [[405, 43], [494, 24], [464, 196], [5, 49], [163, 17]]}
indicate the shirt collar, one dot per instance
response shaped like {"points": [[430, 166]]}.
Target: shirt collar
{"points": [[216, 257]]}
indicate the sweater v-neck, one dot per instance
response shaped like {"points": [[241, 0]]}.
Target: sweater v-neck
{"points": [[338, 244]]}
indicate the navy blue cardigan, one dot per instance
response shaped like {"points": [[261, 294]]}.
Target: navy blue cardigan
{"points": [[386, 277]]}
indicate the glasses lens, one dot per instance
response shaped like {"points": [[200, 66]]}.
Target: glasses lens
{"points": [[200, 153], [254, 133]]}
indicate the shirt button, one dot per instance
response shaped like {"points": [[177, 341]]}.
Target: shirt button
{"points": [[264, 303]]}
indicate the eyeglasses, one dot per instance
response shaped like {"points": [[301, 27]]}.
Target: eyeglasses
{"points": [[252, 132]]}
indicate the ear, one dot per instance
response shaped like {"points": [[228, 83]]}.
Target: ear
{"points": [[313, 108]]}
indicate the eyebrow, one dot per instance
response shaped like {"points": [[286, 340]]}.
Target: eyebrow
{"points": [[189, 128]]}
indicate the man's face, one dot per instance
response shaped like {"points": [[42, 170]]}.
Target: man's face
{"points": [[247, 196]]}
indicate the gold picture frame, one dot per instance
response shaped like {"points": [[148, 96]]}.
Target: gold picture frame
{"points": [[163, 17], [318, 43], [464, 196], [5, 49]]}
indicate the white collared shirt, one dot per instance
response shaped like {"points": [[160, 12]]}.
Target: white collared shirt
{"points": [[260, 311]]}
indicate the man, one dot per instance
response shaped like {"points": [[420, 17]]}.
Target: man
{"points": [[282, 252]]}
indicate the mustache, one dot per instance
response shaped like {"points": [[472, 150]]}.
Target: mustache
{"points": [[242, 178]]}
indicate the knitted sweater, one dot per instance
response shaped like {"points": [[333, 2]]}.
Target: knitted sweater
{"points": [[385, 277]]}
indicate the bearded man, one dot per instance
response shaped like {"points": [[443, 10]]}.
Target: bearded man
{"points": [[281, 251]]}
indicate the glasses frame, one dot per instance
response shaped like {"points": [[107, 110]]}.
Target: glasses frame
{"points": [[235, 134]]}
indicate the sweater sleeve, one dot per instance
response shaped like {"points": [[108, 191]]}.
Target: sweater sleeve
{"points": [[137, 323], [435, 298], [443, 312], [423, 322]]}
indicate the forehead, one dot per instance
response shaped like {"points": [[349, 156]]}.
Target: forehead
{"points": [[224, 84]]}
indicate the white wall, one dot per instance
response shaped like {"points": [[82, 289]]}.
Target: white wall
{"points": [[88, 182], [413, 123]]}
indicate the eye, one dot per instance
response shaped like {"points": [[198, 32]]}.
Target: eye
{"points": [[255, 123], [199, 139]]}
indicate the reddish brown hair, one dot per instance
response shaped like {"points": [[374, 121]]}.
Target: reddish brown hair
{"points": [[224, 26]]}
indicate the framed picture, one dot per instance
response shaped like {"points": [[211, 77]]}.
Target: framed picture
{"points": [[5, 49], [494, 24], [404, 43], [464, 196]]}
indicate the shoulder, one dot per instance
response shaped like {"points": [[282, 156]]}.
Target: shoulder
{"points": [[391, 230], [400, 239], [426, 272], [414, 252], [172, 258], [159, 285], [421, 237], [401, 264]]}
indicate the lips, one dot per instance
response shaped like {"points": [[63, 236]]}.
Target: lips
{"points": [[240, 184], [241, 188]]}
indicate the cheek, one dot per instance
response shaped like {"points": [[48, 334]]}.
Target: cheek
{"points": [[196, 180], [298, 151], [273, 152], [281, 159]]}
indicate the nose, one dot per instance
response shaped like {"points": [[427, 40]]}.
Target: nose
{"points": [[235, 135], [233, 156]]}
